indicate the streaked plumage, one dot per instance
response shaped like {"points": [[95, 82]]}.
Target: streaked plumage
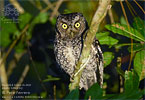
{"points": [[70, 34]]}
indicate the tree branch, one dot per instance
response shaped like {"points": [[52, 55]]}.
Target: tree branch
{"points": [[111, 16], [20, 80], [104, 5], [16, 4], [13, 44], [58, 4], [4, 83]]}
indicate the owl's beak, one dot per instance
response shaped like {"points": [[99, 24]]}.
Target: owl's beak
{"points": [[72, 34]]}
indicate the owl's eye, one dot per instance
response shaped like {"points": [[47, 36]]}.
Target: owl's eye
{"points": [[77, 25], [64, 26]]}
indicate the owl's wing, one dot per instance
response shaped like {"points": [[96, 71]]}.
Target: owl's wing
{"points": [[99, 59]]}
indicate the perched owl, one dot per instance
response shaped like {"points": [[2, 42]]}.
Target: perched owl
{"points": [[71, 30]]}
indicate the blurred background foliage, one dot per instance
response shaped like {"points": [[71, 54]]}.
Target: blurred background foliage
{"points": [[27, 34]]}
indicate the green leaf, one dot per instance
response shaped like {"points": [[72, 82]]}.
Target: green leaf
{"points": [[136, 47], [43, 94], [94, 92], [41, 70], [123, 21], [123, 30], [131, 88], [120, 71], [8, 27], [24, 19], [50, 78], [108, 41], [109, 96], [41, 18], [139, 24], [19, 48], [105, 39], [135, 80], [134, 94], [128, 81], [53, 21], [108, 57], [118, 46], [73, 95], [139, 64], [131, 81], [101, 35]]}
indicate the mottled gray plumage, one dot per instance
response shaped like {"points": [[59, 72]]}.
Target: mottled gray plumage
{"points": [[70, 34]]}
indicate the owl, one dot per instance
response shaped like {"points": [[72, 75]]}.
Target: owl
{"points": [[71, 30]]}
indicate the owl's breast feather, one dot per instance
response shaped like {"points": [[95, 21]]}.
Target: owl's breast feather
{"points": [[69, 55]]}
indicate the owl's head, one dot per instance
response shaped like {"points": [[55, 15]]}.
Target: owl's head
{"points": [[69, 26]]}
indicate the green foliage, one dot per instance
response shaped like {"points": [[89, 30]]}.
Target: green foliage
{"points": [[108, 40], [139, 25], [94, 92], [134, 33], [131, 87], [108, 56], [131, 81], [8, 28], [131, 90], [139, 64], [24, 19], [136, 47], [126, 31], [73, 95], [132, 78], [101, 35], [41, 18], [123, 21], [11, 30], [51, 78], [104, 39]]}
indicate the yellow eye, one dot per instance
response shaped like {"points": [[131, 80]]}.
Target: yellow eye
{"points": [[64, 26], [77, 25]]}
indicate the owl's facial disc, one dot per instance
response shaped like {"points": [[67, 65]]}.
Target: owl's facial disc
{"points": [[71, 25]]}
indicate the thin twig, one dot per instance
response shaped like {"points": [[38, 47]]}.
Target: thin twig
{"points": [[139, 6], [17, 6], [50, 5], [35, 69], [38, 3], [4, 83], [13, 44], [111, 16], [131, 55], [99, 15], [58, 4], [127, 3], [33, 3], [131, 7], [11, 66], [3, 75], [17, 86]]}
